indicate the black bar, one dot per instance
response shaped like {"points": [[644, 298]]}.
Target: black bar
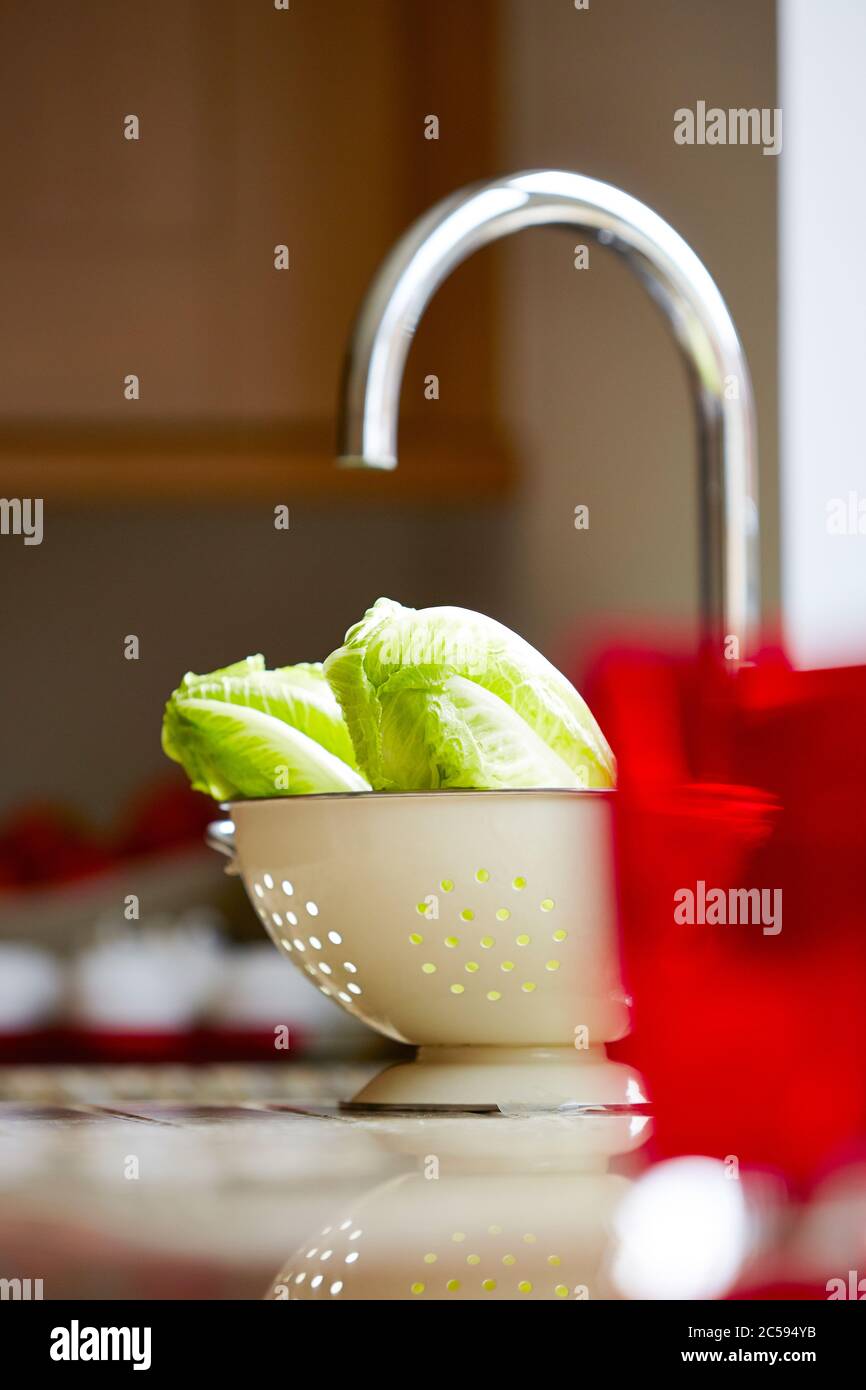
{"points": [[261, 1337]]}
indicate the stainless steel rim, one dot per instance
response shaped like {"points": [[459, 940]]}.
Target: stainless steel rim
{"points": [[566, 793]]}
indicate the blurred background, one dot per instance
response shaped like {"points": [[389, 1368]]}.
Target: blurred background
{"points": [[557, 387]]}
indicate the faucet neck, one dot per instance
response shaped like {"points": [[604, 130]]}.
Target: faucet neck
{"points": [[677, 280]]}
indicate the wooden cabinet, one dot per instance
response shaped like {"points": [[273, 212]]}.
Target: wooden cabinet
{"points": [[154, 257]]}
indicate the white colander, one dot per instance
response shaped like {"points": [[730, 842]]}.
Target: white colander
{"points": [[476, 925]]}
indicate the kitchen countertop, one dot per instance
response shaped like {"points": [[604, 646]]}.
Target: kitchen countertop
{"points": [[219, 1182], [249, 1182]]}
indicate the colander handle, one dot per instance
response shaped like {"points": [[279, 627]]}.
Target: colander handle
{"points": [[220, 835]]}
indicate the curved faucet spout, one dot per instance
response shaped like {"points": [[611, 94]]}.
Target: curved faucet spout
{"points": [[676, 279]]}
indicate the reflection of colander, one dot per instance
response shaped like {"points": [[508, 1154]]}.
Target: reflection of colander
{"points": [[476, 924], [537, 1236], [496, 1208]]}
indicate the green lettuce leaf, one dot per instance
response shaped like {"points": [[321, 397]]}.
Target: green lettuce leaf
{"points": [[435, 644], [297, 695], [440, 731], [245, 731]]}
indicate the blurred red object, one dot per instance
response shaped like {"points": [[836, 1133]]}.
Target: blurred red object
{"points": [[780, 1292], [45, 843], [166, 815], [751, 1037]]}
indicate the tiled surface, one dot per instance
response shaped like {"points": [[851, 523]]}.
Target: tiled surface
{"points": [[211, 1184], [243, 1182], [225, 1185]]}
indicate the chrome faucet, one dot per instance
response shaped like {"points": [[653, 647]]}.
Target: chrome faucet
{"points": [[719, 375]]}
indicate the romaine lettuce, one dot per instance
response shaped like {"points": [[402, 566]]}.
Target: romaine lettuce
{"points": [[245, 731], [412, 687]]}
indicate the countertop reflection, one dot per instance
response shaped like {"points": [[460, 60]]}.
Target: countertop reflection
{"points": [[238, 1182]]}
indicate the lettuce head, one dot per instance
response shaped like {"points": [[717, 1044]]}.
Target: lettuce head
{"points": [[244, 731], [444, 697]]}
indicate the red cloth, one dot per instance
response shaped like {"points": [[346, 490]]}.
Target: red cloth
{"points": [[751, 1043]]}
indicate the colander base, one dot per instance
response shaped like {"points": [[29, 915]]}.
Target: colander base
{"points": [[483, 1079]]}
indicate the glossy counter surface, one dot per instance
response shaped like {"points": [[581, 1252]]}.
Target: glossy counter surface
{"points": [[217, 1183], [245, 1182]]}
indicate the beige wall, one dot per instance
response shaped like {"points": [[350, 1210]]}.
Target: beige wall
{"points": [[592, 377], [199, 588], [591, 382]]}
